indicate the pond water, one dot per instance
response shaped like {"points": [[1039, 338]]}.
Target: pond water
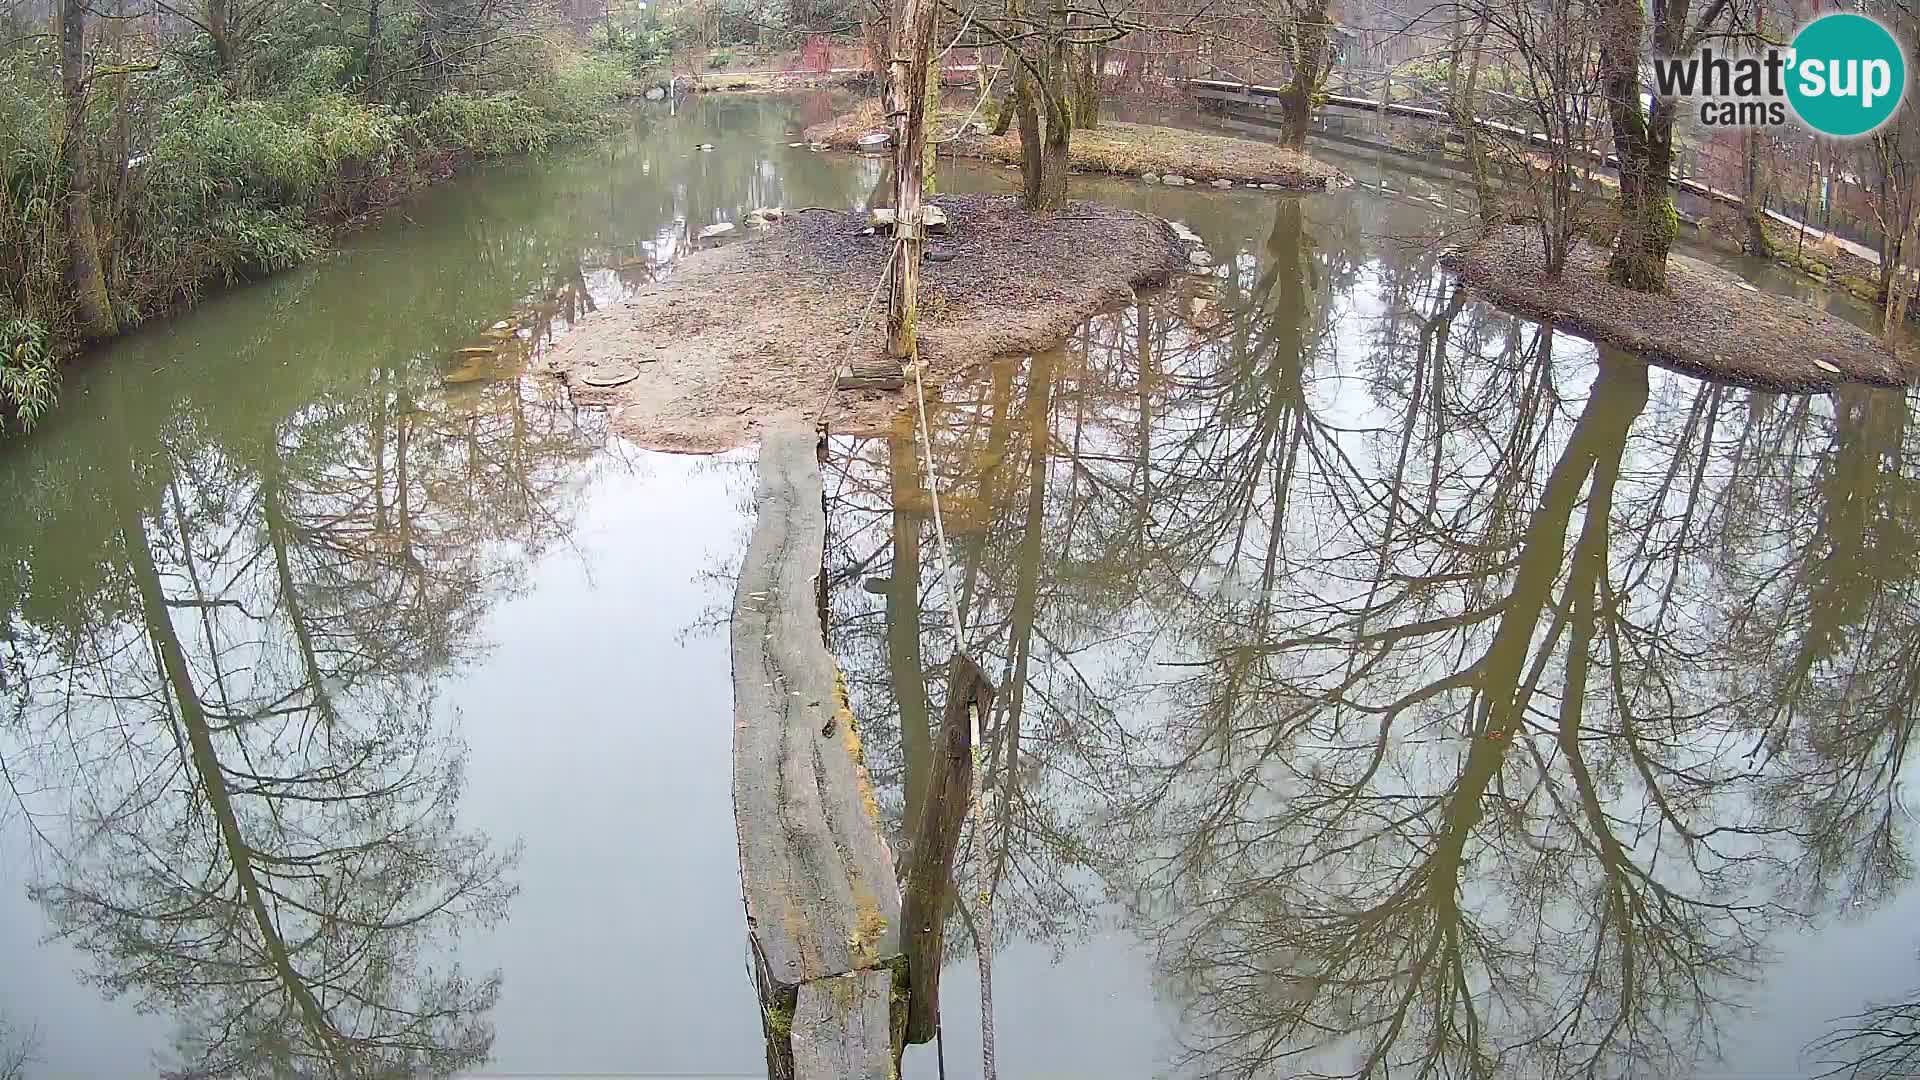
{"points": [[1397, 688]]}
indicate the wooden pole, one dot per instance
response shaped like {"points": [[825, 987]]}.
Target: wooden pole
{"points": [[936, 840], [907, 116]]}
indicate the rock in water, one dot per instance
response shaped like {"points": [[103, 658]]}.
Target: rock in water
{"points": [[1180, 230], [1176, 180], [1150, 178], [1199, 257], [712, 231], [1223, 183]]}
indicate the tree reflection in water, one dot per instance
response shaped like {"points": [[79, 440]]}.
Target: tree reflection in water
{"points": [[234, 755], [1431, 695]]}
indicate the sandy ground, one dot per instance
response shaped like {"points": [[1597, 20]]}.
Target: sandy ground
{"points": [[752, 331], [1707, 323], [1115, 147]]}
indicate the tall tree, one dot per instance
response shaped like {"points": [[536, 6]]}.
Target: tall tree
{"points": [[1643, 137], [85, 276]]}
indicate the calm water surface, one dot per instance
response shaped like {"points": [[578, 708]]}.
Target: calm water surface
{"points": [[1391, 686]]}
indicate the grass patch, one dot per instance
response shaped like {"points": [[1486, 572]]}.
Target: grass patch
{"points": [[1120, 148]]}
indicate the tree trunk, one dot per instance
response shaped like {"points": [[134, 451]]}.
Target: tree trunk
{"points": [[1088, 62], [219, 28], [1311, 46], [907, 109], [1643, 142], [1032, 167], [86, 280], [1900, 286], [1044, 146], [374, 72], [1754, 197]]}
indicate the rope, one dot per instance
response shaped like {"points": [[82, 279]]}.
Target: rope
{"points": [[983, 941], [983, 945]]}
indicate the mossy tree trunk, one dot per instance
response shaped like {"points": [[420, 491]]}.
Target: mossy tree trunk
{"points": [[86, 278], [1309, 33], [1643, 139]]}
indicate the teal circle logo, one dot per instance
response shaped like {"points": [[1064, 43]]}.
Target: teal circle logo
{"points": [[1849, 74]]}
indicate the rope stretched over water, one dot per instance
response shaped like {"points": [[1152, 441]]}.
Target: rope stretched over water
{"points": [[983, 941], [983, 933]]}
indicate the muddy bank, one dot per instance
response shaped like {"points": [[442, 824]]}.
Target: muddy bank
{"points": [[1113, 147], [1707, 323], [753, 330]]}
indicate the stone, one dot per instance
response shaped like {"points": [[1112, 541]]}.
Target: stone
{"points": [[655, 93], [1181, 230], [612, 374], [721, 229], [1271, 187], [1151, 178], [765, 215], [1199, 257], [1176, 180], [1223, 183], [817, 147]]}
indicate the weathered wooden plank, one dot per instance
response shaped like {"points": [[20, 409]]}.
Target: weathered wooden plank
{"points": [[840, 1028], [817, 878]]}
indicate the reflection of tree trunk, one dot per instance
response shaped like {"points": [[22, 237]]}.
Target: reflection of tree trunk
{"points": [[1143, 423], [903, 624], [1027, 579], [1618, 397], [272, 491], [205, 762], [987, 493], [379, 439]]}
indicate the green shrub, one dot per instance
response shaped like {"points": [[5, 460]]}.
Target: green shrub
{"points": [[718, 60], [28, 377]]}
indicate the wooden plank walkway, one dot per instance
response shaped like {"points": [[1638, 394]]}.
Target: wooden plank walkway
{"points": [[822, 903]]}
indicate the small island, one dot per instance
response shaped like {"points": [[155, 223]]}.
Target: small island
{"points": [[754, 331]]}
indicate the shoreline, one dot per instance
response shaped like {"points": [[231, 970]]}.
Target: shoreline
{"points": [[753, 333], [1709, 323]]}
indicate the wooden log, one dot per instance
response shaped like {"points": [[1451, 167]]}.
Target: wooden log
{"points": [[817, 878], [923, 910], [840, 1028]]}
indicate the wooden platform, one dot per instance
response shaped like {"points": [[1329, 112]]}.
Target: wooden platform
{"points": [[821, 898]]}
